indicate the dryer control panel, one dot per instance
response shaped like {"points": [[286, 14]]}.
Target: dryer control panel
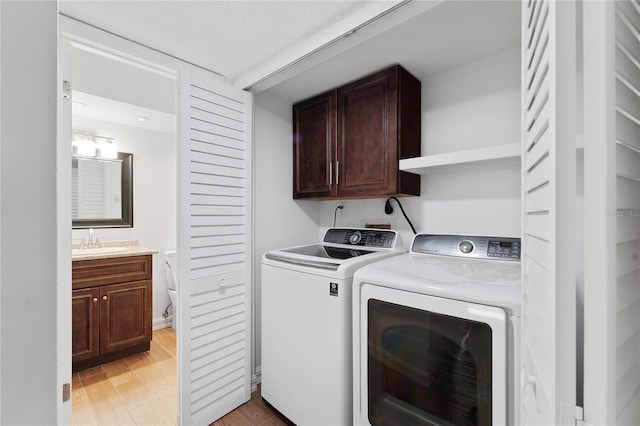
{"points": [[500, 248]]}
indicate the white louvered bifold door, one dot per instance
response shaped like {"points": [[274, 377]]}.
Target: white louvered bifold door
{"points": [[627, 100], [548, 180], [214, 324], [612, 206]]}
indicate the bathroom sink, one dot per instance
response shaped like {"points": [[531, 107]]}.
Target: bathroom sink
{"points": [[101, 250]]}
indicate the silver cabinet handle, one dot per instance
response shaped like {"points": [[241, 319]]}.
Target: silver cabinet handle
{"points": [[330, 173], [104, 297], [95, 299]]}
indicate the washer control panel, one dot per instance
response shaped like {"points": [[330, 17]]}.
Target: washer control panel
{"points": [[503, 248], [361, 237]]}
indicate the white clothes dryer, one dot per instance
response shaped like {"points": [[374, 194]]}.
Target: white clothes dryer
{"points": [[306, 323], [436, 334]]}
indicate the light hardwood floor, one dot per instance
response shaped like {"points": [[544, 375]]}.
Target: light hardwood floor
{"points": [[141, 390]]}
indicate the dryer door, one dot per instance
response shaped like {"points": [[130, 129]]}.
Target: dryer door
{"points": [[431, 361]]}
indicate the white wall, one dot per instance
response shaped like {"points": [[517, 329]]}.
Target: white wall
{"points": [[29, 319], [279, 220], [472, 106], [154, 197], [476, 105]]}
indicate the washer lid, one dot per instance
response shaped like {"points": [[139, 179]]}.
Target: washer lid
{"points": [[341, 261], [342, 252], [327, 252]]}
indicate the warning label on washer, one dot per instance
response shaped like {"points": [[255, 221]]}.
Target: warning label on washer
{"points": [[333, 289]]}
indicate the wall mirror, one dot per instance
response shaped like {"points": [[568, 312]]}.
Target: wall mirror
{"points": [[102, 192]]}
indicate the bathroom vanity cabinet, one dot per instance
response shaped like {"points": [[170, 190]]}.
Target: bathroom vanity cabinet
{"points": [[111, 309]]}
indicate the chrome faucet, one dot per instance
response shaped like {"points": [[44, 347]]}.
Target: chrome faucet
{"points": [[93, 242]]}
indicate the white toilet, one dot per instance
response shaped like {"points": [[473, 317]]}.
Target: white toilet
{"points": [[171, 270]]}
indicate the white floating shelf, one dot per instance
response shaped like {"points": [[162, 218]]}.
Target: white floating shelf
{"points": [[423, 164]]}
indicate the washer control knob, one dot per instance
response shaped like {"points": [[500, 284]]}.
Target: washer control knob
{"points": [[355, 237], [465, 246]]}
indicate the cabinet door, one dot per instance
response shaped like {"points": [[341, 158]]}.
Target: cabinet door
{"points": [[367, 136], [125, 315], [85, 319], [314, 124]]}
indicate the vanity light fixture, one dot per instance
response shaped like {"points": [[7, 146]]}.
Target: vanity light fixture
{"points": [[108, 149], [85, 146]]}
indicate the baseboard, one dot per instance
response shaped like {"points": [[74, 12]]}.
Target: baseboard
{"points": [[159, 323]]}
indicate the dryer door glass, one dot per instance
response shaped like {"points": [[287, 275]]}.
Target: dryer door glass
{"points": [[426, 368]]}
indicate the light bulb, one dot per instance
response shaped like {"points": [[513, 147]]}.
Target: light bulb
{"points": [[86, 147], [108, 149]]}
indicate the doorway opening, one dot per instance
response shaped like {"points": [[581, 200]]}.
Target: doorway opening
{"points": [[131, 106]]}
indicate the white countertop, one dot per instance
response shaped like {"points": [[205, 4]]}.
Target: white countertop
{"points": [[125, 248]]}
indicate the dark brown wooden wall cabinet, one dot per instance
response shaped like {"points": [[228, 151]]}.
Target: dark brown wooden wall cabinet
{"points": [[347, 142], [111, 309]]}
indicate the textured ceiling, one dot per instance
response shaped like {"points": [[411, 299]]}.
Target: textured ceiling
{"points": [[227, 37]]}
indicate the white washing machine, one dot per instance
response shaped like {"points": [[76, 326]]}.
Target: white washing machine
{"points": [[436, 334], [306, 323]]}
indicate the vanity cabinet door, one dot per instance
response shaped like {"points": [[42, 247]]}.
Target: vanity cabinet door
{"points": [[125, 315], [85, 319]]}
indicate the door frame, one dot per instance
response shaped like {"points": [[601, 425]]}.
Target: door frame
{"points": [[76, 34]]}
